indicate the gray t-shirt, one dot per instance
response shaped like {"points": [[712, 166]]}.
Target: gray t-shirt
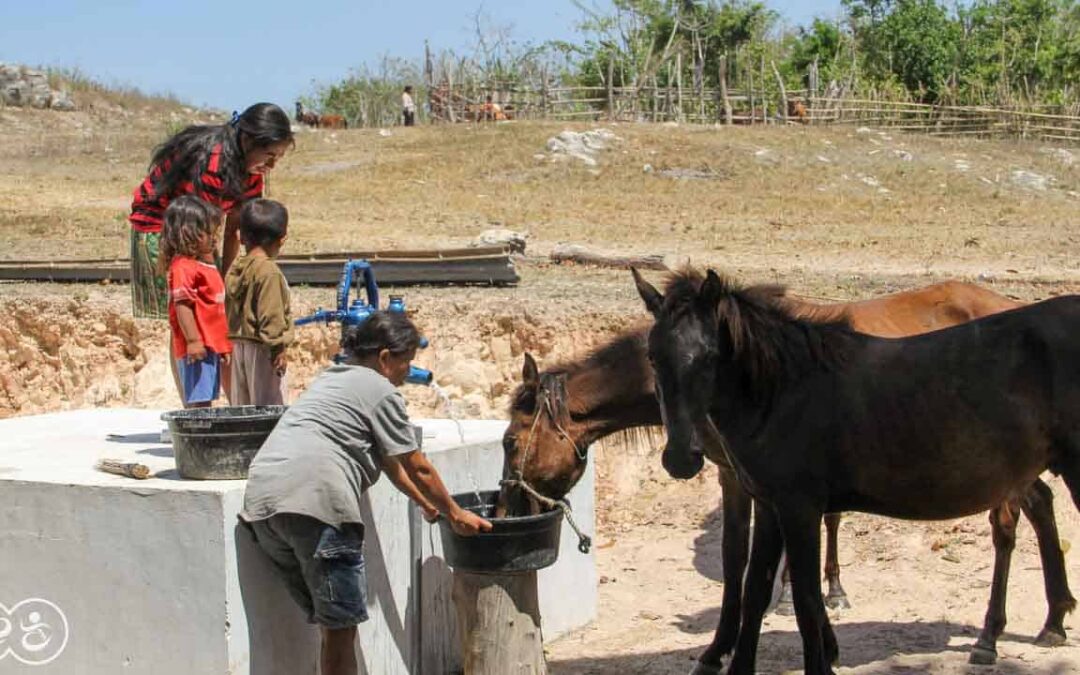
{"points": [[325, 450]]}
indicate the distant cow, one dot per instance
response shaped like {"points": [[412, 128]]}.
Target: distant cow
{"points": [[797, 110], [333, 122]]}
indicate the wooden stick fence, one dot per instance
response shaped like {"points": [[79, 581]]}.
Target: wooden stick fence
{"points": [[725, 105]]}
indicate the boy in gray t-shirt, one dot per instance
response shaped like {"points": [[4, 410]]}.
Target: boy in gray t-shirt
{"points": [[304, 485]]}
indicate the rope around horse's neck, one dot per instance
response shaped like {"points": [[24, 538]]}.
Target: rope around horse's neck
{"points": [[584, 541]]}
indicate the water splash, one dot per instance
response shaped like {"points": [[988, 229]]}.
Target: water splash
{"points": [[451, 409], [454, 413]]}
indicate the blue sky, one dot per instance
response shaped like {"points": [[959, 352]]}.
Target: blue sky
{"points": [[228, 54]]}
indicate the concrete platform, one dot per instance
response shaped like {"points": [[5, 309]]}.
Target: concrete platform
{"points": [[101, 574]]}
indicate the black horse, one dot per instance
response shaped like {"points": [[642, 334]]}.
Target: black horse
{"points": [[816, 419]]}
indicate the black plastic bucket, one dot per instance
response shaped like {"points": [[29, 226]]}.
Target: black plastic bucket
{"points": [[218, 443], [516, 544]]}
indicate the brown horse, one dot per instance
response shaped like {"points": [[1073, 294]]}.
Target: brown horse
{"points": [[816, 418], [333, 122], [556, 415], [306, 116]]}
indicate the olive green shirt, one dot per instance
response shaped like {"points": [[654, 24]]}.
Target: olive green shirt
{"points": [[257, 303]]}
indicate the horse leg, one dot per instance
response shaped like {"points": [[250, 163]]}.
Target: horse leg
{"points": [[760, 576], [801, 527], [785, 606], [734, 549], [836, 598], [1003, 528], [1038, 505]]}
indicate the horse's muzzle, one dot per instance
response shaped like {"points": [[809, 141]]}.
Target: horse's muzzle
{"points": [[682, 464]]}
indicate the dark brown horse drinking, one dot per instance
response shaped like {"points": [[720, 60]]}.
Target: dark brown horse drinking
{"points": [[557, 414], [815, 418]]}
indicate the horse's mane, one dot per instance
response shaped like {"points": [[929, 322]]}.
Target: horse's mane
{"points": [[616, 354], [773, 337]]}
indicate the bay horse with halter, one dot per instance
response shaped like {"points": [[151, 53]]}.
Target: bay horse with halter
{"points": [[815, 418], [558, 413]]}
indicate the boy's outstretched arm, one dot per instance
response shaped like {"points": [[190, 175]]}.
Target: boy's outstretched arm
{"points": [[424, 477], [397, 475]]}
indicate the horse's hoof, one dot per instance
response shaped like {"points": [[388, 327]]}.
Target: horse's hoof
{"points": [[838, 601], [1049, 638], [981, 656], [785, 608], [705, 669]]}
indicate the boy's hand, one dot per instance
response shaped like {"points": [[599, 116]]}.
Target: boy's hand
{"points": [[281, 363], [196, 351], [467, 523], [431, 514], [226, 360]]}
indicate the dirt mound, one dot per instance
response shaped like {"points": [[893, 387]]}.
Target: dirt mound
{"points": [[85, 350]]}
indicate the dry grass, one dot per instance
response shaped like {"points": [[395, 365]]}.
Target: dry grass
{"points": [[87, 92], [780, 198]]}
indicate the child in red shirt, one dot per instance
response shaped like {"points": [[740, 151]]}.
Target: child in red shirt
{"points": [[200, 329]]}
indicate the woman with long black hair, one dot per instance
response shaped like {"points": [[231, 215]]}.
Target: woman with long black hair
{"points": [[222, 164]]}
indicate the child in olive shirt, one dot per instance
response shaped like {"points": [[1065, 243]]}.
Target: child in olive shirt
{"points": [[260, 318]]}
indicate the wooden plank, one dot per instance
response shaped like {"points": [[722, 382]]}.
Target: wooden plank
{"points": [[489, 268]]}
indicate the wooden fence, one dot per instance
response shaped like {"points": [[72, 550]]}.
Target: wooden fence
{"points": [[723, 106]]}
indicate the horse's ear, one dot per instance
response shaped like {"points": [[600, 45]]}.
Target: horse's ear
{"points": [[653, 300], [711, 289], [530, 374]]}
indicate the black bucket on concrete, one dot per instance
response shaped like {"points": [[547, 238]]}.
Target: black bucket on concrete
{"points": [[518, 544], [218, 443]]}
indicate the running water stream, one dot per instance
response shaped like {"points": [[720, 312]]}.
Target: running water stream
{"points": [[452, 411]]}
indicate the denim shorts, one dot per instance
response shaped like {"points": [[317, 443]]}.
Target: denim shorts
{"points": [[322, 566], [201, 380]]}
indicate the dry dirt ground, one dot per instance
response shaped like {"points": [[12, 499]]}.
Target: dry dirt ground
{"points": [[836, 214]]}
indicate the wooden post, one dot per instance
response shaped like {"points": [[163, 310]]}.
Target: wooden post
{"points": [[450, 94], [783, 92], [678, 87], [499, 623], [724, 90], [753, 109], [611, 87], [764, 94], [543, 93]]}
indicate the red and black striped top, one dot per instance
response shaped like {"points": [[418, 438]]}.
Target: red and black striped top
{"points": [[148, 207]]}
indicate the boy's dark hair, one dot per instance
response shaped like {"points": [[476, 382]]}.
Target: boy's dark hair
{"points": [[408, 89], [263, 222], [186, 218], [382, 330]]}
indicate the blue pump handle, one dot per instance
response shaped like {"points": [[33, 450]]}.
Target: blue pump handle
{"points": [[345, 285]]}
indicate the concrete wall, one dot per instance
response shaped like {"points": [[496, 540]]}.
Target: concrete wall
{"points": [[158, 577]]}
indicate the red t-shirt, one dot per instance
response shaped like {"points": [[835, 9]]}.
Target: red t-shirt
{"points": [[148, 207], [200, 284]]}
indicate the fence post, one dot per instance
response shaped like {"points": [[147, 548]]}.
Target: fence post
{"points": [[724, 91], [543, 93], [783, 93], [611, 88], [764, 94]]}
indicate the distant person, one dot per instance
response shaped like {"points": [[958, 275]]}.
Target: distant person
{"points": [[257, 304], [197, 323], [223, 164], [491, 111], [304, 488], [408, 106]]}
